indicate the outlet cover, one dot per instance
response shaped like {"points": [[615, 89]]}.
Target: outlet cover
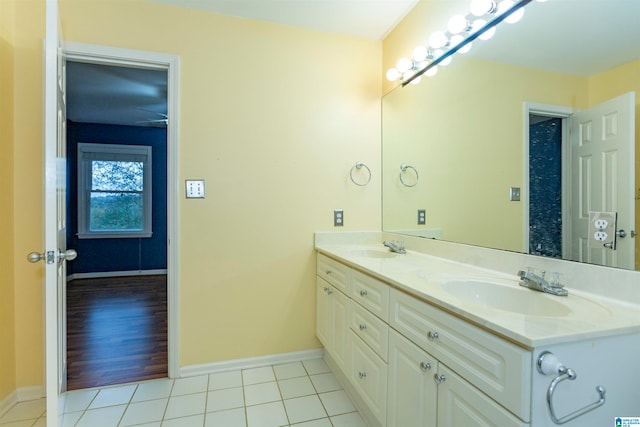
{"points": [[422, 217], [195, 188], [338, 218]]}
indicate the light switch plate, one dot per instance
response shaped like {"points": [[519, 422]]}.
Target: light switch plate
{"points": [[514, 194], [195, 188]]}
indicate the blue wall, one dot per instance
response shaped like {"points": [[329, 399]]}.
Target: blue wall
{"points": [[104, 255]]}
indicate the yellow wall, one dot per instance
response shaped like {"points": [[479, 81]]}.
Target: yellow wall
{"points": [[610, 84], [7, 283], [272, 117]]}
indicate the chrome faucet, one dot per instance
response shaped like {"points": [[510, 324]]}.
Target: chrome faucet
{"points": [[395, 246], [530, 280]]}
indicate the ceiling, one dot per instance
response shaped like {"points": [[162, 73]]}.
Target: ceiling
{"points": [[371, 19], [552, 35]]}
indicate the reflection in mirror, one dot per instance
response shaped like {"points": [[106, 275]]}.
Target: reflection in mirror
{"points": [[486, 126]]}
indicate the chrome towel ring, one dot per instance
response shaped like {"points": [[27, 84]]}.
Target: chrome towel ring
{"points": [[358, 166], [403, 170]]}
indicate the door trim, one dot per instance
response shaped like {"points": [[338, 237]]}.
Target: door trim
{"points": [[550, 110], [107, 55]]}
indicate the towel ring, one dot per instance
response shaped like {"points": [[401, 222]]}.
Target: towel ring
{"points": [[403, 169], [358, 166]]}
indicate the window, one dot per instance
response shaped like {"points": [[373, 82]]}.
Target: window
{"points": [[114, 191]]}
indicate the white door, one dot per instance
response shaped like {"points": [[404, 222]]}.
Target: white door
{"points": [[55, 252], [602, 163]]}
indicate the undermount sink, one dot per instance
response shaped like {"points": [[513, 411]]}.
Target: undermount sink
{"points": [[505, 297], [373, 253]]}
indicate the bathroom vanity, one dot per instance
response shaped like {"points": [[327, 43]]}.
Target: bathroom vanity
{"points": [[420, 340]]}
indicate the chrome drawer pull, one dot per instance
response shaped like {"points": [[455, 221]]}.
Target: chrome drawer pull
{"points": [[432, 336], [362, 326], [425, 366], [439, 378], [362, 375], [363, 293]]}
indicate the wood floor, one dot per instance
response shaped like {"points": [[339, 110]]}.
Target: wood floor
{"points": [[116, 330]]}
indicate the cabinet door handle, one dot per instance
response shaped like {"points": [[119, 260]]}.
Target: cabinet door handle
{"points": [[362, 326], [363, 293], [425, 366], [439, 378], [328, 272], [362, 375], [329, 291], [432, 336]]}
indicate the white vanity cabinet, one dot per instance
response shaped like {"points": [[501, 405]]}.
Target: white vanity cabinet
{"points": [[332, 309], [411, 363], [412, 392]]}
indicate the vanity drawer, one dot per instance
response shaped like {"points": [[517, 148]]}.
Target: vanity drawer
{"points": [[333, 272], [371, 293], [497, 367], [370, 329], [369, 377]]}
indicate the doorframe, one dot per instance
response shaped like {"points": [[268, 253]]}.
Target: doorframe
{"points": [[107, 55], [557, 111]]}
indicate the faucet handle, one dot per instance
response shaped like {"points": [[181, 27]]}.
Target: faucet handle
{"points": [[556, 280]]}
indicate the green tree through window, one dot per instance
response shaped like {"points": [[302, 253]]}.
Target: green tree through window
{"points": [[114, 191]]}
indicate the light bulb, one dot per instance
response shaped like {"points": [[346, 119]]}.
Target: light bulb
{"points": [[438, 53], [482, 7], [407, 75], [420, 53], [404, 65], [431, 71], [504, 6], [466, 48], [478, 24], [458, 39], [457, 24], [438, 40], [393, 75]]}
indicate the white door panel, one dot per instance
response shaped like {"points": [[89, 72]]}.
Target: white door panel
{"points": [[602, 163]]}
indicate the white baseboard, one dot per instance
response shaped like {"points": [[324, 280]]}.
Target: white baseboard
{"points": [[250, 362], [21, 394], [116, 274]]}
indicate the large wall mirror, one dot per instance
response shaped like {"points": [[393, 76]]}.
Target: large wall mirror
{"points": [[512, 114]]}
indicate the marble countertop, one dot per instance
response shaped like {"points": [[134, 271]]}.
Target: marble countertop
{"points": [[576, 317]]}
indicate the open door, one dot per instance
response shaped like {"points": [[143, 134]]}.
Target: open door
{"points": [[55, 252], [602, 163]]}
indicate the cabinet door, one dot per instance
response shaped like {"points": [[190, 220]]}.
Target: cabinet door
{"points": [[340, 329], [369, 377], [461, 404], [412, 390], [323, 312]]}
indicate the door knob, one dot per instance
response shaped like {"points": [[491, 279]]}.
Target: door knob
{"points": [[37, 256], [68, 255], [50, 256]]}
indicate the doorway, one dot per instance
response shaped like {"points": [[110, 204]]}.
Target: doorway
{"points": [[545, 185], [546, 192], [147, 266]]}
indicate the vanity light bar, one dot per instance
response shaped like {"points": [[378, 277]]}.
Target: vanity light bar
{"points": [[461, 28]]}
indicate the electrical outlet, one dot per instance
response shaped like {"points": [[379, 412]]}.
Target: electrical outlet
{"points": [[338, 218], [422, 217], [195, 188]]}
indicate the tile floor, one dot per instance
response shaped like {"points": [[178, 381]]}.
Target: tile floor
{"points": [[301, 394]]}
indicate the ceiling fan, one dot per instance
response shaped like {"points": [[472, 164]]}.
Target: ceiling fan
{"points": [[161, 121]]}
